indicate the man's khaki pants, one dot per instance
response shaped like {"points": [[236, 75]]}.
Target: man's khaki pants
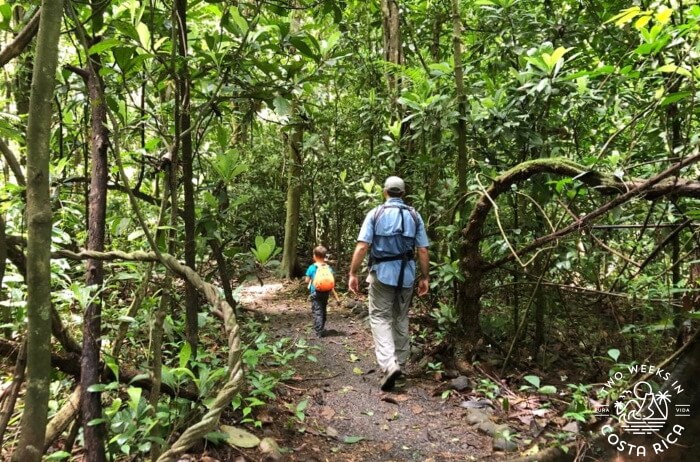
{"points": [[388, 317]]}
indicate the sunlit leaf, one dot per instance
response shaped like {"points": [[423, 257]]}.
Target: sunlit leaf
{"points": [[642, 21], [144, 35], [663, 15]]}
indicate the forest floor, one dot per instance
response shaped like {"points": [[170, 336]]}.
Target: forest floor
{"points": [[348, 418]]}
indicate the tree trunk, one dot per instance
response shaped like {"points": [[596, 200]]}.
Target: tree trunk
{"points": [[31, 443], [461, 127], [393, 53], [191, 297], [289, 266], [92, 327], [294, 190], [675, 141]]}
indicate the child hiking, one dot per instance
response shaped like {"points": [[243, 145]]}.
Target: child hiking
{"points": [[319, 277]]}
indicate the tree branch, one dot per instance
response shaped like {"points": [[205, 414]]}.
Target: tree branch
{"points": [[21, 41], [659, 185], [12, 163]]}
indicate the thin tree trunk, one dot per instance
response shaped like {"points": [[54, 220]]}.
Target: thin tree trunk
{"points": [[294, 190], [461, 127], [294, 185], [5, 312], [157, 357], [191, 297], [675, 141], [393, 53], [224, 274], [31, 443], [90, 360]]}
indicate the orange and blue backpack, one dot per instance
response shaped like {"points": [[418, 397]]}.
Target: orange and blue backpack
{"points": [[324, 281]]}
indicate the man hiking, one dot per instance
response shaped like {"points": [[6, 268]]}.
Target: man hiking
{"points": [[394, 234]]}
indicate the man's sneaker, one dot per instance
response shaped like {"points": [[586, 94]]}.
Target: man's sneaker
{"points": [[390, 378]]}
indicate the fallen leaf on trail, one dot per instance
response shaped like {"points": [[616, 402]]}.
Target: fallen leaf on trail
{"points": [[352, 439], [353, 358], [346, 389], [327, 412], [401, 398], [332, 432], [387, 446], [239, 437], [391, 416], [571, 427], [390, 399], [357, 371], [369, 413], [416, 409], [264, 417], [537, 427]]}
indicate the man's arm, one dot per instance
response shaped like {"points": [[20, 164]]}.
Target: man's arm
{"points": [[424, 265], [357, 257]]}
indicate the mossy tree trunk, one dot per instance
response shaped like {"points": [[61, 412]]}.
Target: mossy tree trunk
{"points": [[31, 443]]}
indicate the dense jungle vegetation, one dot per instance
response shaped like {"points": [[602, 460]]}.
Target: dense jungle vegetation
{"points": [[160, 156]]}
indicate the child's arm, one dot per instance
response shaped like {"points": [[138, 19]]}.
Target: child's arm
{"points": [[308, 281]]}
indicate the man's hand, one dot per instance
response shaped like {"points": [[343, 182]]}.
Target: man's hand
{"points": [[357, 256], [353, 284], [423, 286]]}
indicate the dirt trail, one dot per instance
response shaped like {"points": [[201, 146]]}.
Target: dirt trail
{"points": [[348, 418]]}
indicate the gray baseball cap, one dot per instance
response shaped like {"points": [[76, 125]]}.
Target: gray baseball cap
{"points": [[394, 184]]}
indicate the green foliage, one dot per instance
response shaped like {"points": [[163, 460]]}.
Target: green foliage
{"points": [[579, 408], [534, 384], [265, 249], [268, 362], [298, 410], [446, 318], [488, 388]]}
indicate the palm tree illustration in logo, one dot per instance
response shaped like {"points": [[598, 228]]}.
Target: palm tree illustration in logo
{"points": [[641, 411]]}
